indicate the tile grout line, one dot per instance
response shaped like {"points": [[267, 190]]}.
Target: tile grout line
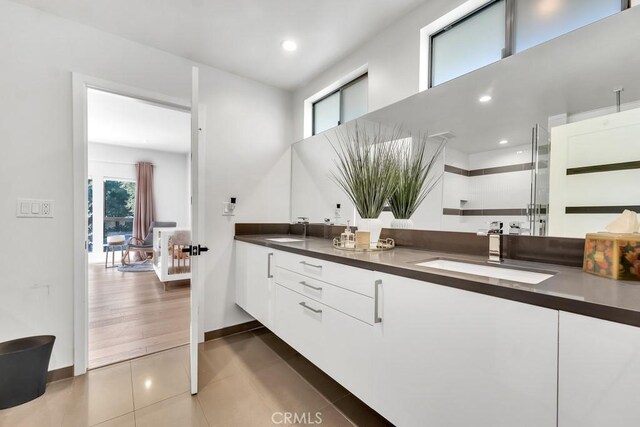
{"points": [[133, 400], [340, 412], [338, 409], [329, 402], [312, 386], [202, 409], [110, 419], [199, 405], [302, 377], [242, 369], [279, 358], [243, 372], [296, 373], [161, 400]]}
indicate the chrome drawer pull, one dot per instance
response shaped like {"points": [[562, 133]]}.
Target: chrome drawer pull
{"points": [[310, 265], [376, 302], [269, 257], [309, 308], [315, 288]]}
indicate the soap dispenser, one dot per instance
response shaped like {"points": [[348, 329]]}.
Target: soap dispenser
{"points": [[347, 239]]}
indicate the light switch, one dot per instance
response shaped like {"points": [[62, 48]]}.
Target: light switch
{"points": [[33, 208]]}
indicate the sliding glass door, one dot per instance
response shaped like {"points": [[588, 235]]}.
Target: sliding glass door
{"points": [[119, 206]]}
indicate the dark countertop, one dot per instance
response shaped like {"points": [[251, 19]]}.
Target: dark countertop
{"points": [[570, 289]]}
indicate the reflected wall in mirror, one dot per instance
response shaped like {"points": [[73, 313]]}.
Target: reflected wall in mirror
{"points": [[520, 157]]}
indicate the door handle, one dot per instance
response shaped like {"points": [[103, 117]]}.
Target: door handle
{"points": [[269, 257], [315, 288], [315, 310], [194, 250], [376, 302]]}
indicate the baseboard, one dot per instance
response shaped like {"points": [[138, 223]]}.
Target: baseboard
{"points": [[60, 374], [230, 330]]}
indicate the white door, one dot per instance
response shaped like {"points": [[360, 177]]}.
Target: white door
{"points": [[600, 155], [197, 231]]}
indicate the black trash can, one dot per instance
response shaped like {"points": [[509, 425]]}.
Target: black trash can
{"points": [[23, 369]]}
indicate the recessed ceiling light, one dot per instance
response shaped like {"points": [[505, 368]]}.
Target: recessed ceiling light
{"points": [[289, 45], [504, 141], [485, 98]]}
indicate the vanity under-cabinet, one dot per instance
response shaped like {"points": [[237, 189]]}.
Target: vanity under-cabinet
{"points": [[423, 353]]}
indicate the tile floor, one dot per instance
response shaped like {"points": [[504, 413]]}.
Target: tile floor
{"points": [[246, 380]]}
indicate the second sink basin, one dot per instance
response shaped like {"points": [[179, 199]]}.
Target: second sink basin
{"points": [[505, 273], [284, 240]]}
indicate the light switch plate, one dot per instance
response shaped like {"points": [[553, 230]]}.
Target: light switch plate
{"points": [[33, 208]]}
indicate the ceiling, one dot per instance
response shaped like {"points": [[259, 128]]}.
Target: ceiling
{"points": [[242, 36], [129, 122]]}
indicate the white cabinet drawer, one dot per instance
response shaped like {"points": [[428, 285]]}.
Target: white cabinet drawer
{"points": [[338, 344], [351, 303], [299, 321], [351, 278]]}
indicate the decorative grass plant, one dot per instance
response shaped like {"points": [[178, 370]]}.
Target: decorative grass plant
{"points": [[367, 167], [415, 178]]}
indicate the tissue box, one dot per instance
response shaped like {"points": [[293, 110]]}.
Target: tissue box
{"points": [[613, 255]]}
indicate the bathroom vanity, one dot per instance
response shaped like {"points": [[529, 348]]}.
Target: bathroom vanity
{"points": [[436, 336], [424, 344]]}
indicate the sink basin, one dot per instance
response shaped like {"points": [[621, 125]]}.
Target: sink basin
{"points": [[284, 240], [505, 273]]}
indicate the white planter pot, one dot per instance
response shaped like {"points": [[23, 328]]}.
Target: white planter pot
{"points": [[373, 226], [402, 223]]}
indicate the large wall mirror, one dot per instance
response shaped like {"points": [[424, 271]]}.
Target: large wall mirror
{"points": [[552, 153]]}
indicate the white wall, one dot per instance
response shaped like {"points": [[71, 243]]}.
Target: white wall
{"points": [[247, 156], [171, 181], [393, 58], [507, 190], [248, 136]]}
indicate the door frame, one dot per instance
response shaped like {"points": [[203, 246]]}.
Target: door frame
{"points": [[80, 84]]}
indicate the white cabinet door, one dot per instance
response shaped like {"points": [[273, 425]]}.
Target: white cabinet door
{"points": [[448, 357], [254, 280], [599, 373]]}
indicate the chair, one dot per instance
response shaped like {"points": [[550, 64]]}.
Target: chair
{"points": [[143, 245]]}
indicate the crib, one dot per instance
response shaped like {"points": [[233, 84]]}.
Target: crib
{"points": [[170, 263]]}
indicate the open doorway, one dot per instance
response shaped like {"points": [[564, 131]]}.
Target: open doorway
{"points": [[138, 221]]}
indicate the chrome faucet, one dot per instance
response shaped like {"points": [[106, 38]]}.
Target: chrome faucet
{"points": [[304, 221], [495, 241]]}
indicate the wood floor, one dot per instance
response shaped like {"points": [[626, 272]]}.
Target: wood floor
{"points": [[131, 315]]}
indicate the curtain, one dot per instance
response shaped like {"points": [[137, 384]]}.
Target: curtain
{"points": [[144, 212]]}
